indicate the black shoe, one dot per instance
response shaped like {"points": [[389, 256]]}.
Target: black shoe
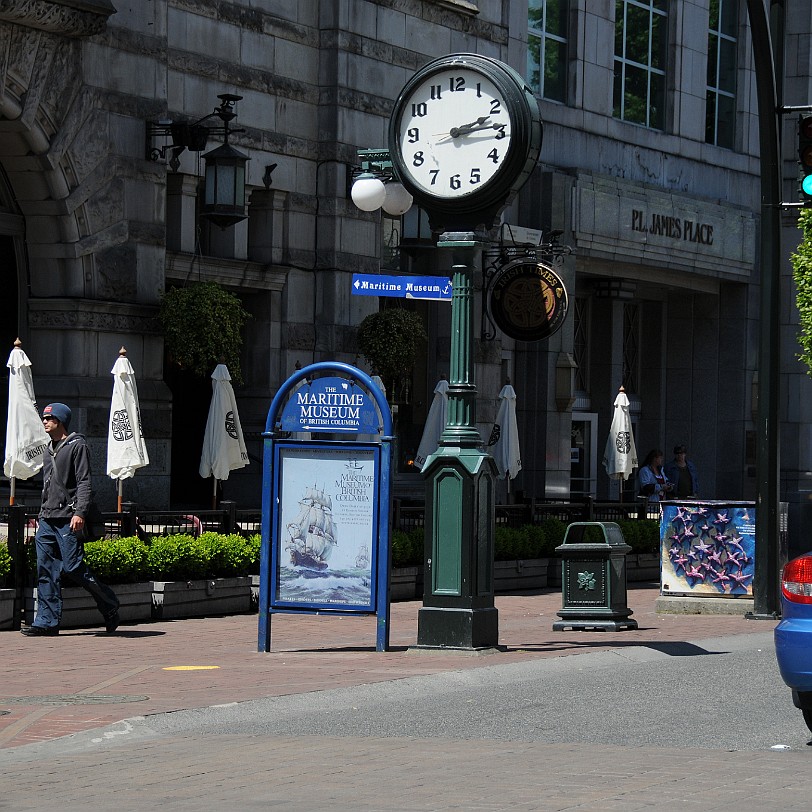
{"points": [[111, 622], [39, 631]]}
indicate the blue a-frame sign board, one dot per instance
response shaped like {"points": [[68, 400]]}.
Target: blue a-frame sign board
{"points": [[326, 503]]}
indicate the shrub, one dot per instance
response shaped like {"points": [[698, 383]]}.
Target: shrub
{"points": [[178, 558], [118, 560], [5, 561], [642, 535], [228, 556], [407, 548]]}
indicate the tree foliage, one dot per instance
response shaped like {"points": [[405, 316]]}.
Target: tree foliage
{"points": [[802, 272], [203, 327], [390, 340]]}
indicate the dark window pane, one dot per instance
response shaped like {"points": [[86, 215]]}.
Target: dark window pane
{"points": [[713, 22], [659, 41], [657, 110], [726, 123], [637, 34], [713, 44], [533, 72], [554, 70], [619, 27], [730, 17], [661, 5], [557, 12], [635, 97], [727, 66]]}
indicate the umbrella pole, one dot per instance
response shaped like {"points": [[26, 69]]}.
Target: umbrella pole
{"points": [[214, 493], [120, 495], [12, 490]]}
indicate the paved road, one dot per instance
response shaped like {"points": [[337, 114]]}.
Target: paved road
{"points": [[672, 716]]}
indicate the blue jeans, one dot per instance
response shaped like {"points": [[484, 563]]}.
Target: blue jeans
{"points": [[59, 553]]}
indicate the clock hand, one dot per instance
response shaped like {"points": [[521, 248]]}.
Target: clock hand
{"points": [[455, 132], [467, 128]]}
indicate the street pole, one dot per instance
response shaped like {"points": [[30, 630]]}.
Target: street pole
{"points": [[765, 581], [458, 605]]}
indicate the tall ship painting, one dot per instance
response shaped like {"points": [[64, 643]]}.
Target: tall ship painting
{"points": [[313, 532]]}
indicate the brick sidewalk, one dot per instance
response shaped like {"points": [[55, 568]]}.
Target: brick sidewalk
{"points": [[85, 679]]}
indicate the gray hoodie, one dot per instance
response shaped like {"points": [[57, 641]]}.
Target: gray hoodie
{"points": [[72, 461]]}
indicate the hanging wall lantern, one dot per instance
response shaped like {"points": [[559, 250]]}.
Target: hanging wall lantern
{"points": [[224, 194]]}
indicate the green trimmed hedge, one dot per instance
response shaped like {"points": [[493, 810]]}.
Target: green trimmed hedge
{"points": [[173, 558], [5, 561], [529, 541]]}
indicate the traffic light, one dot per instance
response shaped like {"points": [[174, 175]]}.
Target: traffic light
{"points": [[805, 157]]}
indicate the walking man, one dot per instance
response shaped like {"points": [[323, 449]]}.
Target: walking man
{"points": [[65, 498]]}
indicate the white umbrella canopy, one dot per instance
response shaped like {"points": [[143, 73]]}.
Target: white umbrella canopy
{"points": [[224, 448], [435, 423], [620, 456], [505, 436], [26, 439], [126, 449]]}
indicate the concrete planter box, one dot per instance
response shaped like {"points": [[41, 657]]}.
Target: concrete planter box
{"points": [[406, 584], [513, 576], [79, 609], [6, 608], [213, 596]]}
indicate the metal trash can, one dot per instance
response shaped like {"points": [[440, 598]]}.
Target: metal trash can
{"points": [[593, 578]]}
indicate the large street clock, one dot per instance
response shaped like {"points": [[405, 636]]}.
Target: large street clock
{"points": [[464, 136]]}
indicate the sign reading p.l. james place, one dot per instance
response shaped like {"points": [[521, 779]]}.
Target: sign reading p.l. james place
{"points": [[528, 300], [330, 405]]}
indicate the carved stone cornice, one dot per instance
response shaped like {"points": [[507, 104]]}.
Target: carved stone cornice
{"points": [[70, 18], [86, 314]]}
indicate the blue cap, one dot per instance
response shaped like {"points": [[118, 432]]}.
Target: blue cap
{"points": [[58, 410]]}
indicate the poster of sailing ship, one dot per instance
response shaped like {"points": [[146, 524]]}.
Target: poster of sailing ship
{"points": [[326, 527]]}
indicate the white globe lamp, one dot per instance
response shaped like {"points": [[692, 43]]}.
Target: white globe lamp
{"points": [[368, 192], [397, 201]]}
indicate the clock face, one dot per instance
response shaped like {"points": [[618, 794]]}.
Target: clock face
{"points": [[453, 133]]}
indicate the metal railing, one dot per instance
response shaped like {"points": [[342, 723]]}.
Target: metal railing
{"points": [[409, 517]]}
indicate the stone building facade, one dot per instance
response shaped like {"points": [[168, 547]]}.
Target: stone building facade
{"points": [[659, 203]]}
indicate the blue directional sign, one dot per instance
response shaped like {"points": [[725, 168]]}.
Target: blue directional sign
{"points": [[403, 287]]}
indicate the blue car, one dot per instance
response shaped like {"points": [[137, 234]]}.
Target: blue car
{"points": [[793, 635]]}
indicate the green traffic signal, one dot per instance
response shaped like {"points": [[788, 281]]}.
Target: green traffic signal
{"points": [[805, 157]]}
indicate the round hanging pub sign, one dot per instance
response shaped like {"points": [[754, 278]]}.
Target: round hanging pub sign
{"points": [[528, 300]]}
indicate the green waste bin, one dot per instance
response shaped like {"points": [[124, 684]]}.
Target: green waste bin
{"points": [[593, 578]]}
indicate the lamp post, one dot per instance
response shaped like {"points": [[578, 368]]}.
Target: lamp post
{"points": [[224, 190], [765, 581]]}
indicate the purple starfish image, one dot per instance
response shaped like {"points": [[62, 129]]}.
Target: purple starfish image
{"points": [[740, 578]]}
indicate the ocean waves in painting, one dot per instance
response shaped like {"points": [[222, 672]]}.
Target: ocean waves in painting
{"points": [[347, 587]]}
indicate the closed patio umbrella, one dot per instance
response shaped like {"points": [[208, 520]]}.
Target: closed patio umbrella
{"points": [[504, 438], [620, 456], [435, 423], [126, 449], [26, 439], [224, 448]]}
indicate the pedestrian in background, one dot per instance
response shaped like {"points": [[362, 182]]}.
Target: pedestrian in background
{"points": [[66, 496], [654, 484], [682, 472]]}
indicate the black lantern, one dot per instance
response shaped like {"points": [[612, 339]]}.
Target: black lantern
{"points": [[224, 195]]}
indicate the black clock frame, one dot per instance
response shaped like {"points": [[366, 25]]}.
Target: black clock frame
{"points": [[480, 206]]}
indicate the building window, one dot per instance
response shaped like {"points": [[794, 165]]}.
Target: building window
{"points": [[631, 347], [641, 39], [720, 108], [547, 48], [581, 343]]}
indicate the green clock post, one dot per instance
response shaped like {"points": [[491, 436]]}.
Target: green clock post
{"points": [[465, 135]]}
